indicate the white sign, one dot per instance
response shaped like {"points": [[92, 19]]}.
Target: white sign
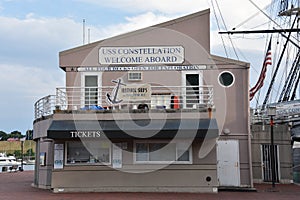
{"points": [[144, 68], [135, 92], [58, 156], [141, 55], [287, 110], [117, 157]]}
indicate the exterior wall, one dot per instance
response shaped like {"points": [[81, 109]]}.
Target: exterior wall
{"points": [[182, 31], [282, 138], [171, 178], [40, 128], [44, 172], [231, 111]]}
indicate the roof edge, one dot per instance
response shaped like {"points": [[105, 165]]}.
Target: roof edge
{"points": [[138, 31], [231, 61]]}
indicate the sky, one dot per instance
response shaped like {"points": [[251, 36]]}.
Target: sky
{"points": [[33, 32]]}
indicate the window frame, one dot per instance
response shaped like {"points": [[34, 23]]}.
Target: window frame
{"points": [[132, 79], [222, 84], [87, 164], [161, 162]]}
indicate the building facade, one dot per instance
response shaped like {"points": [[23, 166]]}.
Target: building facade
{"points": [[150, 110]]}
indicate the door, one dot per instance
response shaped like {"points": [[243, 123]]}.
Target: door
{"points": [[191, 82], [228, 165], [266, 162], [192, 90], [91, 90]]}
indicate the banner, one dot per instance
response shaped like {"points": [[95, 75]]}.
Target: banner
{"points": [[135, 92]]}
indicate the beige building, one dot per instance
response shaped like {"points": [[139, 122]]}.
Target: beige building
{"points": [[150, 110]]}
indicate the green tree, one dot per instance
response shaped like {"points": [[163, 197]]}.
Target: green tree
{"points": [[18, 154], [16, 134], [29, 152], [3, 136]]}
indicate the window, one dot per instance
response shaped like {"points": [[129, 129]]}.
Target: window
{"points": [[163, 152], [134, 76], [226, 79], [91, 152]]}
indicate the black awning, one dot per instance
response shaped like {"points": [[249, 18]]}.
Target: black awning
{"points": [[134, 129]]}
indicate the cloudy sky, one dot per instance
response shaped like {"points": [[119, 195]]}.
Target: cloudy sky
{"points": [[34, 31]]}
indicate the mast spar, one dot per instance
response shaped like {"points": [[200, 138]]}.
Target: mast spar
{"points": [[293, 78]]}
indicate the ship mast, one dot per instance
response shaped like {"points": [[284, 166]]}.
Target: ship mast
{"points": [[287, 9]]}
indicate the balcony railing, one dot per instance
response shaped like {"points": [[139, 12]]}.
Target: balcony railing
{"points": [[100, 98], [44, 106]]}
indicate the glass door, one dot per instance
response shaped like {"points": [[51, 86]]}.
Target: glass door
{"points": [[91, 90]]}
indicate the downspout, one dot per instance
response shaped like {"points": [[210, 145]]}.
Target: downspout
{"points": [[249, 134]]}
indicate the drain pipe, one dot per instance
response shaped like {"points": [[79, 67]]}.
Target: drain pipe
{"points": [[249, 148]]}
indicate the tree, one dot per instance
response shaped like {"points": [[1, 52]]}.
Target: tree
{"points": [[18, 154], [29, 153], [3, 136], [16, 134]]}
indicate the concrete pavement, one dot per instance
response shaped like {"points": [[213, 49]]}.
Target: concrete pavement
{"points": [[17, 186]]}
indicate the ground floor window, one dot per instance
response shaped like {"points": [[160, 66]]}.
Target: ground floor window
{"points": [[158, 152], [91, 152]]}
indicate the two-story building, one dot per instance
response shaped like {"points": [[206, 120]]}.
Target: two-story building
{"points": [[150, 110]]}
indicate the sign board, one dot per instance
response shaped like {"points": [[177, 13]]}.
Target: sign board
{"points": [[141, 55], [135, 92], [58, 156], [42, 158], [143, 68], [287, 110]]}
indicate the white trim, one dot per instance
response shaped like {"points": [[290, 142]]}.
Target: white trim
{"points": [[262, 161], [162, 162], [82, 78], [85, 164], [225, 85], [183, 84]]}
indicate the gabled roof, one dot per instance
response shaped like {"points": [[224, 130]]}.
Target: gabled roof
{"points": [[137, 32]]}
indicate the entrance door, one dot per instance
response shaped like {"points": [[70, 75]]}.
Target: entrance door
{"points": [[266, 162], [228, 165], [91, 90], [191, 92]]}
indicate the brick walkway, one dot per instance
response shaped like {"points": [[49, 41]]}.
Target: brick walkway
{"points": [[17, 186]]}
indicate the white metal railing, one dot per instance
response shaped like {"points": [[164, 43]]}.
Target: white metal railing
{"points": [[96, 98], [44, 106]]}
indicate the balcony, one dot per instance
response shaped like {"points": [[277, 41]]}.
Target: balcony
{"points": [[151, 98]]}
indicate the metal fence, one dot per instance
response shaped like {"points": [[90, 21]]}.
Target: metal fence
{"points": [[44, 106], [99, 98]]}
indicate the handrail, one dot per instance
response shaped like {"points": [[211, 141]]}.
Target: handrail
{"points": [[44, 106], [93, 98]]}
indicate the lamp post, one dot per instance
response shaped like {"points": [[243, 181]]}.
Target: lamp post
{"points": [[271, 113]]}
